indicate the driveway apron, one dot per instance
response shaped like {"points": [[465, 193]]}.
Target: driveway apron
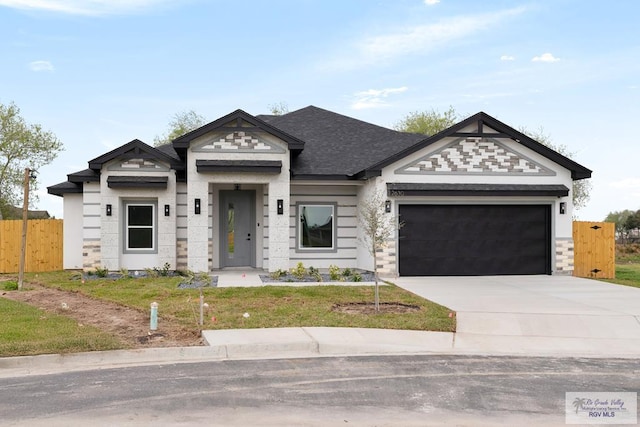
{"points": [[537, 314]]}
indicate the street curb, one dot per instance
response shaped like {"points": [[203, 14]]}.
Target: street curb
{"points": [[48, 363]]}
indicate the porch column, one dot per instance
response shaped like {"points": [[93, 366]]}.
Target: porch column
{"points": [[278, 227], [198, 227]]}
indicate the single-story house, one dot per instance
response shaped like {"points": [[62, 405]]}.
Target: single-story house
{"points": [[15, 212], [267, 192]]}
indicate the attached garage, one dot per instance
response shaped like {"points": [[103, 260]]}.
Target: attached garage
{"points": [[474, 240]]}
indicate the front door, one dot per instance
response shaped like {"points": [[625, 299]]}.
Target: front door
{"points": [[237, 231]]}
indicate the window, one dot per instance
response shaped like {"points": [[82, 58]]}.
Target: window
{"points": [[140, 227], [316, 226]]}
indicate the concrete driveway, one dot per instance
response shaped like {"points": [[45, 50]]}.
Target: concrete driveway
{"points": [[537, 314]]}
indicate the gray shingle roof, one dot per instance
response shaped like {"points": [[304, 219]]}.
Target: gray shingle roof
{"points": [[324, 145], [338, 145]]}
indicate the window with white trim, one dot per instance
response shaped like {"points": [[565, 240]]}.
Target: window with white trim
{"points": [[140, 232], [316, 226]]}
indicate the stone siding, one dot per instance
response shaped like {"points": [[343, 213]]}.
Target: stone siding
{"points": [[181, 255], [91, 255], [564, 257], [387, 260]]}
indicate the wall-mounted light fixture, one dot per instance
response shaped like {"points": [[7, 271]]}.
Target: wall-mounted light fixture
{"points": [[387, 206], [280, 205], [108, 210], [236, 187], [196, 207], [563, 208], [167, 210]]}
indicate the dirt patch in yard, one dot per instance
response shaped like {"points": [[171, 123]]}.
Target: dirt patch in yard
{"points": [[129, 324], [370, 308]]}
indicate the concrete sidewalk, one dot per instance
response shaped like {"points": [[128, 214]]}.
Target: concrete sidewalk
{"points": [[282, 343]]}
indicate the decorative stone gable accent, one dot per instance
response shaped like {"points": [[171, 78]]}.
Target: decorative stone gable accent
{"points": [[564, 257], [138, 164], [476, 155], [239, 141]]}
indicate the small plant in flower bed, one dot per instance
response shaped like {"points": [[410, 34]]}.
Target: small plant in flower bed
{"points": [[301, 274], [197, 280], [334, 273], [299, 271]]}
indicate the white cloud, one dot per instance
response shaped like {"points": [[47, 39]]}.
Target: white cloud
{"points": [[627, 183], [374, 98], [545, 57], [431, 2], [85, 7], [507, 58], [420, 39], [41, 66]]}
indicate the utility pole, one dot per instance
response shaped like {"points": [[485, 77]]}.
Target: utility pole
{"points": [[25, 213]]}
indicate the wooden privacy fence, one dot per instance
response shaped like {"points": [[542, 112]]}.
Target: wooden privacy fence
{"points": [[594, 246], [43, 250]]}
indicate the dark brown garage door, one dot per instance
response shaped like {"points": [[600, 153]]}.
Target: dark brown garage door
{"points": [[477, 240]]}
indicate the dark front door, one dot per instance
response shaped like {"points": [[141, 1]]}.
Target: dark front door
{"points": [[237, 231], [474, 240]]}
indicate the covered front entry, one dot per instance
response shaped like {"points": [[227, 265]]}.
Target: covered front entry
{"points": [[237, 228], [474, 240]]}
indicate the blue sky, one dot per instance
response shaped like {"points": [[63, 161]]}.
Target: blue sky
{"points": [[99, 73]]}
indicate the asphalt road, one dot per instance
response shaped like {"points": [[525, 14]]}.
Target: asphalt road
{"points": [[345, 391]]}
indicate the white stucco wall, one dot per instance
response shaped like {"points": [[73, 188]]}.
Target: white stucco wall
{"points": [[72, 231]]}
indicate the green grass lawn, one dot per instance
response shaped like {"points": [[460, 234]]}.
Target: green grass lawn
{"points": [[627, 265], [268, 306], [627, 274], [26, 330]]}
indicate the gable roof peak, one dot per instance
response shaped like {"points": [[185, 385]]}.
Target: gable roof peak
{"points": [[502, 131], [181, 143], [133, 145]]}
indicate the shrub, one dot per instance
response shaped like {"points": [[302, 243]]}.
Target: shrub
{"points": [[356, 277], [299, 271], [278, 274], [334, 272], [101, 271], [315, 273]]}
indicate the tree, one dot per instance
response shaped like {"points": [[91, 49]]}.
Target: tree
{"points": [[22, 145], [378, 227], [181, 123], [619, 218], [428, 122], [633, 221], [582, 187], [279, 108]]}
